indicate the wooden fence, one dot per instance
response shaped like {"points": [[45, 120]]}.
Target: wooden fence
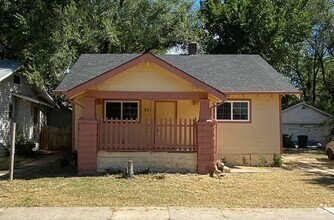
{"points": [[164, 135], [56, 138]]}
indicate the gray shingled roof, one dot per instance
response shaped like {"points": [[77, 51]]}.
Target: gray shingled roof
{"points": [[7, 67], [227, 73]]}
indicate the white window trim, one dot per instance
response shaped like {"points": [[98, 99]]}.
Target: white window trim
{"points": [[119, 101], [235, 120]]}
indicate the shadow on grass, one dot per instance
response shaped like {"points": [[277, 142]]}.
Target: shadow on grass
{"points": [[20, 160], [325, 161], [319, 150], [50, 166], [318, 178], [49, 170], [322, 177]]}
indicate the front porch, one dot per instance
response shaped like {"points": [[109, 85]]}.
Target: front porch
{"points": [[153, 135], [168, 135], [164, 145]]}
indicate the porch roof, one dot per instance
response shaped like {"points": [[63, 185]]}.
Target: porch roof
{"points": [[225, 73]]}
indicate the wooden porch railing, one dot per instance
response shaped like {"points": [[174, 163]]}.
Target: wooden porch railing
{"points": [[164, 135]]}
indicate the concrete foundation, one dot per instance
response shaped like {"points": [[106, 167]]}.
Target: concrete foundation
{"points": [[155, 161]]}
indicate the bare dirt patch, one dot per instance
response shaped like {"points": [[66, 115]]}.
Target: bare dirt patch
{"points": [[313, 160]]}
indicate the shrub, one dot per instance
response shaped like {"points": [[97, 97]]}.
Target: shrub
{"points": [[263, 162], [287, 143], [23, 146], [277, 160]]}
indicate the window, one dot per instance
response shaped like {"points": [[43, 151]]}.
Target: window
{"points": [[17, 79], [35, 115], [10, 111], [233, 111], [122, 110]]}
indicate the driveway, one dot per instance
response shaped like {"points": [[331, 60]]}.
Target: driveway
{"points": [[308, 159]]}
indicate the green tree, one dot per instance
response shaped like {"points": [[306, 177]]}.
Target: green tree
{"points": [[263, 27], [50, 35]]}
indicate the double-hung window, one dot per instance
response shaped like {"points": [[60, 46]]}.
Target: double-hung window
{"points": [[233, 111], [121, 110]]}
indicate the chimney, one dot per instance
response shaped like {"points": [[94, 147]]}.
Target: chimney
{"points": [[192, 48]]}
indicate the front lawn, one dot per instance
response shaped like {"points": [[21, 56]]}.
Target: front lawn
{"points": [[52, 185]]}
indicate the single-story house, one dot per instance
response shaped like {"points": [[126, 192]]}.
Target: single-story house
{"points": [[174, 112], [21, 102], [304, 119]]}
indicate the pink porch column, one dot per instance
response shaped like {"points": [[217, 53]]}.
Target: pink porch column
{"points": [[206, 140], [87, 138]]}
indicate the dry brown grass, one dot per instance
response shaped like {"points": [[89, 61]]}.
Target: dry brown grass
{"points": [[280, 188]]}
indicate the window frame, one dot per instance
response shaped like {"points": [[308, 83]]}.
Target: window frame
{"points": [[120, 101], [236, 120]]}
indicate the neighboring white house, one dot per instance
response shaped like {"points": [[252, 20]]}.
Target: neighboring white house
{"points": [[303, 119], [21, 102]]}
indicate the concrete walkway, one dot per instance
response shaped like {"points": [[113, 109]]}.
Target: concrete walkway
{"points": [[159, 213]]}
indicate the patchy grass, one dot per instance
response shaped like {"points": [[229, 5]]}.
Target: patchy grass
{"points": [[52, 185]]}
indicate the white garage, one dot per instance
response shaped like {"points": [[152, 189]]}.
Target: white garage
{"points": [[303, 119]]}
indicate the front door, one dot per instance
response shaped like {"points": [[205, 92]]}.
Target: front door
{"points": [[164, 112]]}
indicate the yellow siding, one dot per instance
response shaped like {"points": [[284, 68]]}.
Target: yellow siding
{"points": [[146, 109], [237, 142], [259, 137], [146, 77], [187, 109]]}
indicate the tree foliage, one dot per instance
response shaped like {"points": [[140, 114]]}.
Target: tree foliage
{"points": [[262, 27], [50, 35], [295, 36]]}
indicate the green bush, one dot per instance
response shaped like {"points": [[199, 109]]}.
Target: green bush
{"points": [[23, 146], [277, 160], [287, 143]]}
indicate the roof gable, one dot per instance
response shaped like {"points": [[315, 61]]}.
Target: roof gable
{"points": [[146, 77], [8, 67], [225, 73], [304, 113], [148, 57]]}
